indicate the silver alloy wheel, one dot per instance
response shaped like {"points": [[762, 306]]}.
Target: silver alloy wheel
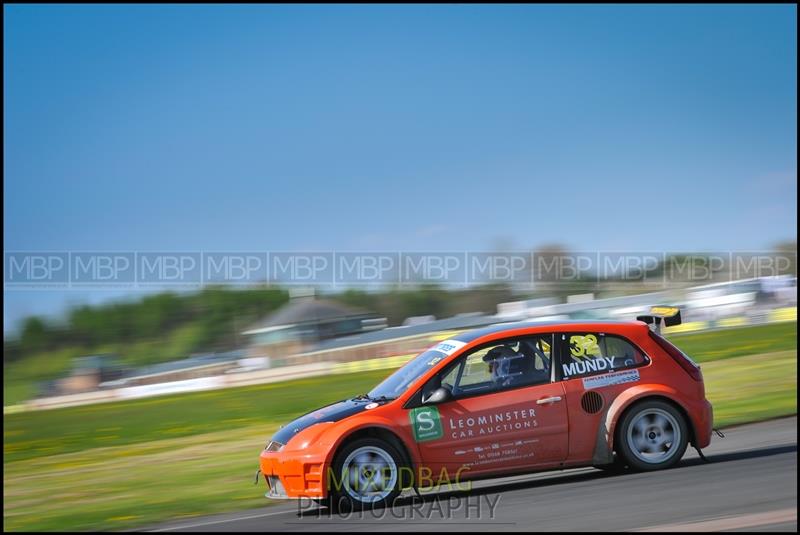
{"points": [[653, 436], [369, 474]]}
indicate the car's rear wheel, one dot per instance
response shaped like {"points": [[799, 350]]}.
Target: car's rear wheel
{"points": [[652, 435], [366, 473]]}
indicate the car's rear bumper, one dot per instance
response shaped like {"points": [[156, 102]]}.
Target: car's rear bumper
{"points": [[702, 415], [293, 476]]}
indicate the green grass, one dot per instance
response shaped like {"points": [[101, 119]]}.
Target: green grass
{"points": [[127, 486], [737, 342], [34, 434], [753, 388], [127, 464], [17, 391]]}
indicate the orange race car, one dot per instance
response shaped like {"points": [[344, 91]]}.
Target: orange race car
{"points": [[501, 400]]}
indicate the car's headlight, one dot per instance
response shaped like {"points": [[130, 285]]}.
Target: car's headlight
{"points": [[273, 445]]}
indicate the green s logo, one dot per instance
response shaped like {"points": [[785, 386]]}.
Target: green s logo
{"points": [[426, 423]]}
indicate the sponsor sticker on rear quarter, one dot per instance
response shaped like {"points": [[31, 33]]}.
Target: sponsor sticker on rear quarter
{"points": [[618, 378]]}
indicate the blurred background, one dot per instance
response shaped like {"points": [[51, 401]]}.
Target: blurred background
{"points": [[218, 218]]}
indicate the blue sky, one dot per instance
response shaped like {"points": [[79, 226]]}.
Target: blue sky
{"points": [[396, 128]]}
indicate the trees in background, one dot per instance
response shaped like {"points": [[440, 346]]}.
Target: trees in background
{"points": [[171, 325]]}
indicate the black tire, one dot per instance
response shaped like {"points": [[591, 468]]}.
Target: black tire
{"points": [[652, 435], [618, 466], [377, 458]]}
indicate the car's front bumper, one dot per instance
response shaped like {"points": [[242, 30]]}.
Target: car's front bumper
{"points": [[293, 475]]}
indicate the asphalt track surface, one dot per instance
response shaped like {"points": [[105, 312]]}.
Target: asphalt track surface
{"points": [[749, 484]]}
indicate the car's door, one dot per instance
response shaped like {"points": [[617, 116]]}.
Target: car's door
{"points": [[594, 368], [494, 421]]}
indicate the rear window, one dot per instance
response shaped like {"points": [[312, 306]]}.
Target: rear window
{"points": [[688, 365], [592, 353], [671, 348]]}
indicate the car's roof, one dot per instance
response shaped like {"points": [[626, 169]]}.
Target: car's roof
{"points": [[475, 334]]}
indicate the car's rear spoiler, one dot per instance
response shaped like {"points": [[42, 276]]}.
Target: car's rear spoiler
{"points": [[670, 315]]}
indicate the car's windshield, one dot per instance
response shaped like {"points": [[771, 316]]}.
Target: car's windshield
{"points": [[399, 381]]}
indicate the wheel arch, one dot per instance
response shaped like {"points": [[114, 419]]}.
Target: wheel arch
{"points": [[368, 430], [382, 433], [605, 441], [670, 401], [373, 430]]}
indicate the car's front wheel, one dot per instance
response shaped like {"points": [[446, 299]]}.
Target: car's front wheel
{"points": [[365, 473], [652, 435]]}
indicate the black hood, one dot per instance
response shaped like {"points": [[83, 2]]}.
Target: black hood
{"points": [[332, 413]]}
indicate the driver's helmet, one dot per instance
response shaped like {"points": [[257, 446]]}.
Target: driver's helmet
{"points": [[499, 360]]}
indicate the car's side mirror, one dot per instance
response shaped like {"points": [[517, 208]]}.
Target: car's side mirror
{"points": [[440, 395]]}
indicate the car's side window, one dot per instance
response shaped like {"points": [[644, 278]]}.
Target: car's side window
{"points": [[450, 376], [592, 353], [500, 366]]}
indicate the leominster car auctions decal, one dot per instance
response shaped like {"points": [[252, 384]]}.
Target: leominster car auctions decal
{"points": [[492, 422]]}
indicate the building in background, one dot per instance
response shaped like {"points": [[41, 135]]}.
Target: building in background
{"points": [[303, 323], [86, 375]]}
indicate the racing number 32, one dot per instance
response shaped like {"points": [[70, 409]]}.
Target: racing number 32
{"points": [[583, 346], [426, 423]]}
